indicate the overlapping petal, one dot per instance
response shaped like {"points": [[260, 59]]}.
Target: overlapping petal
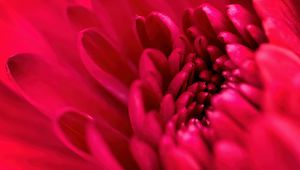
{"points": [[148, 95]]}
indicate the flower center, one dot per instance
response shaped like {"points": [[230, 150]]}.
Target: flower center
{"points": [[215, 52], [212, 66]]}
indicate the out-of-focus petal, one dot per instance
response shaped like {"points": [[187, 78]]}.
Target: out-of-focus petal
{"points": [[231, 156], [105, 63], [281, 21], [27, 140], [81, 17], [50, 87], [280, 70], [273, 143], [119, 19], [110, 148]]}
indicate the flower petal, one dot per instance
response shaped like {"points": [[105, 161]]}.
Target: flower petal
{"points": [[104, 62], [144, 154], [273, 143], [27, 140], [71, 127], [176, 158], [50, 87], [230, 156], [110, 148], [281, 85], [242, 113], [283, 28], [121, 30], [159, 30], [81, 17]]}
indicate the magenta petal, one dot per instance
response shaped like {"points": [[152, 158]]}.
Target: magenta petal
{"points": [[253, 94], [281, 21], [141, 101], [184, 100], [102, 152], [104, 62], [281, 34], [274, 144], [225, 128], [167, 107], [175, 61], [145, 155], [178, 83], [191, 141], [136, 106], [109, 147], [71, 127], [217, 19], [60, 87], [152, 130], [285, 11], [229, 38], [243, 113], [81, 17], [106, 55], [230, 156], [27, 140], [154, 62], [239, 53], [280, 86], [176, 158], [241, 18], [257, 34], [117, 18], [161, 31]]}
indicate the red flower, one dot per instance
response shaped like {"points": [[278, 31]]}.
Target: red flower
{"points": [[189, 85]]}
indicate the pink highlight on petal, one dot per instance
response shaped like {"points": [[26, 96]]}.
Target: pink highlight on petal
{"points": [[239, 53], [218, 21], [225, 128], [241, 18], [228, 38], [243, 113], [230, 156], [191, 141]]}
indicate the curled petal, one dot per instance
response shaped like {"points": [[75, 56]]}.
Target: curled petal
{"points": [[160, 31], [61, 87]]}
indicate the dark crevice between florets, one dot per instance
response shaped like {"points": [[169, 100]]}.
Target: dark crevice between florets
{"points": [[207, 32], [183, 72]]}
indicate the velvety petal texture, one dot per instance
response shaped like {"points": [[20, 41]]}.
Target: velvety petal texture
{"points": [[150, 84]]}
